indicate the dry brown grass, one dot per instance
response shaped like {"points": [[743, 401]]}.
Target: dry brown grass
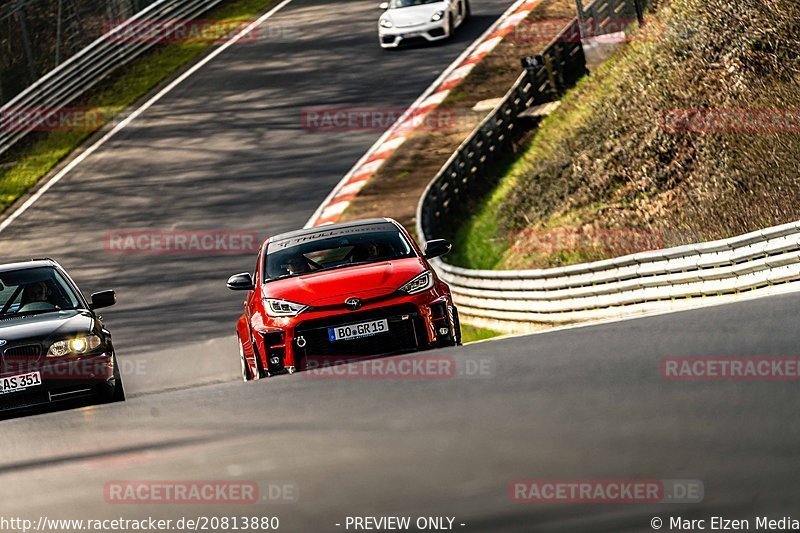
{"points": [[606, 161]]}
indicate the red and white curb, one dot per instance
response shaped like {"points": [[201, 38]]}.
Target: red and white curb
{"points": [[348, 188]]}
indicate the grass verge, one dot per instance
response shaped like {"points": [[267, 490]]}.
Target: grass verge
{"points": [[33, 159], [474, 334]]}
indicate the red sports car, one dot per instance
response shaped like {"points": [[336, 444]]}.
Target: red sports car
{"points": [[342, 292]]}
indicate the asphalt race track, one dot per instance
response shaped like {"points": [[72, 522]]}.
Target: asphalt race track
{"points": [[575, 404], [226, 150]]}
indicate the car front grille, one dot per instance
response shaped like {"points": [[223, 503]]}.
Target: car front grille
{"points": [[405, 334], [29, 350]]}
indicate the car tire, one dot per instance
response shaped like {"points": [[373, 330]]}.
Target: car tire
{"points": [[117, 393], [467, 11], [262, 372], [119, 388], [456, 327], [245, 366], [451, 26]]}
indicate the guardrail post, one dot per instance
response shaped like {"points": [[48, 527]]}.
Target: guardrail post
{"points": [[26, 40], [581, 19], [639, 12]]}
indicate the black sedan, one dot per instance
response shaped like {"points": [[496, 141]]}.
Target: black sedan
{"points": [[52, 341]]}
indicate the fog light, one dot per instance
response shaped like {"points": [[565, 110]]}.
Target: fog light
{"points": [[443, 331]]}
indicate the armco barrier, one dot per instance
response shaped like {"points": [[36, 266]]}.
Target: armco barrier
{"points": [[74, 77], [672, 278]]}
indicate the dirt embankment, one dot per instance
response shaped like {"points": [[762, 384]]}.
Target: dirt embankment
{"points": [[692, 132]]}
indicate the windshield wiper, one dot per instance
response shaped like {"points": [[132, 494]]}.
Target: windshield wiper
{"points": [[284, 276], [29, 313], [37, 312], [325, 269], [345, 265]]}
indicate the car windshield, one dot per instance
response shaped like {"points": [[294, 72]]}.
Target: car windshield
{"points": [[35, 290], [333, 252], [410, 3]]}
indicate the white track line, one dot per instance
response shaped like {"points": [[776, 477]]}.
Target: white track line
{"points": [[144, 107]]}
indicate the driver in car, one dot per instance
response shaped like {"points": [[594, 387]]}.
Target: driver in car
{"points": [[36, 297], [297, 265], [365, 252]]}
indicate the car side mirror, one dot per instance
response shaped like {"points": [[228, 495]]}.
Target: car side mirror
{"points": [[383, 5], [241, 282], [437, 248], [103, 299]]}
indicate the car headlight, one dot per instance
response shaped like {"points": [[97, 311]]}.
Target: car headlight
{"points": [[280, 308], [421, 283], [386, 23], [76, 346], [437, 16]]}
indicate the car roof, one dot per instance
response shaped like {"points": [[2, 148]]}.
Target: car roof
{"points": [[330, 229], [33, 263]]}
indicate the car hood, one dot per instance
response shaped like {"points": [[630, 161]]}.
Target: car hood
{"points": [[414, 15], [367, 282], [45, 327]]}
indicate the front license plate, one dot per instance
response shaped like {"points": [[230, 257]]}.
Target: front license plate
{"points": [[412, 34], [357, 331], [20, 382]]}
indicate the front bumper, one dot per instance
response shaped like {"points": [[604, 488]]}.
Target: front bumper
{"points": [[431, 31], [61, 380], [416, 322]]}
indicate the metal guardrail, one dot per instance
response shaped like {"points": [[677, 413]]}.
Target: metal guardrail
{"points": [[73, 78], [672, 278], [632, 284]]}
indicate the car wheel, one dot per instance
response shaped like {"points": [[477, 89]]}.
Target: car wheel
{"points": [[108, 394], [456, 327], [243, 360], [451, 27], [467, 11], [119, 388]]}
